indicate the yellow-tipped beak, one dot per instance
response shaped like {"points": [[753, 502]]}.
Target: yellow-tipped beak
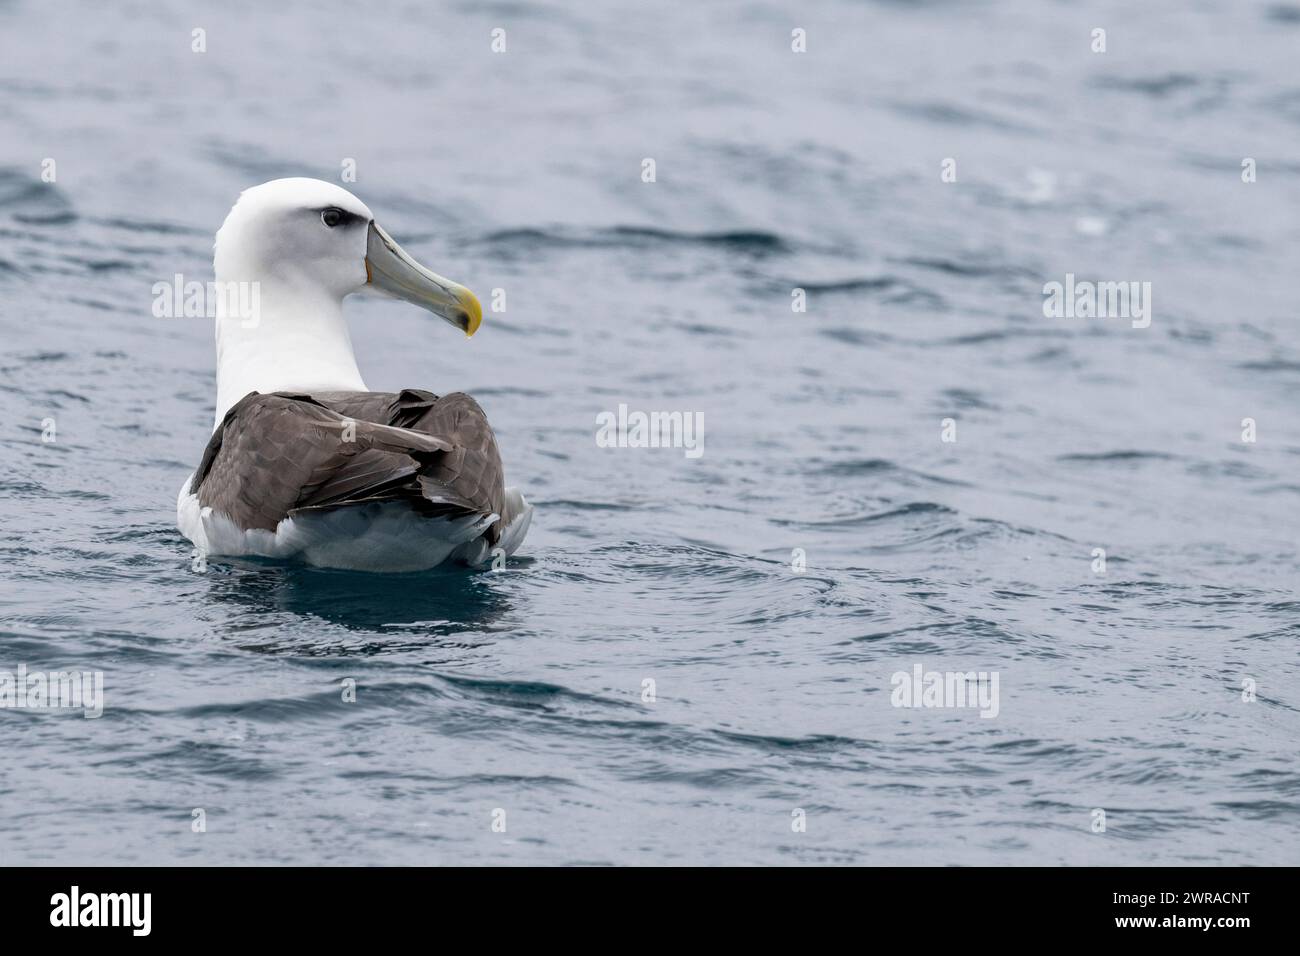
{"points": [[392, 271], [469, 302]]}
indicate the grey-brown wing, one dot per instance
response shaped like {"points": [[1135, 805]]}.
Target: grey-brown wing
{"points": [[375, 473], [469, 478], [279, 452], [471, 471]]}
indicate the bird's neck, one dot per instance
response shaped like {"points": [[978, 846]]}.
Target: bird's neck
{"points": [[275, 335]]}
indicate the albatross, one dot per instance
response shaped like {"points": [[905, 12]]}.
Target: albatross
{"points": [[304, 462]]}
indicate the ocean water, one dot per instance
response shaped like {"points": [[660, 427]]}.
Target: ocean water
{"points": [[652, 681]]}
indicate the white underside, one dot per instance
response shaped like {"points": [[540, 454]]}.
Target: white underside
{"points": [[375, 536]]}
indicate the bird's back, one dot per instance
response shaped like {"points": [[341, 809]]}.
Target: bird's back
{"points": [[382, 480]]}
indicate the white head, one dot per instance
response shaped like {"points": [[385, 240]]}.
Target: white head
{"points": [[303, 245]]}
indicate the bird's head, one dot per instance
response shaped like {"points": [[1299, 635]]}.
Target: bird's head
{"points": [[316, 236]]}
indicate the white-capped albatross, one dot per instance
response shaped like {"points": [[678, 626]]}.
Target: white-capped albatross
{"points": [[305, 463]]}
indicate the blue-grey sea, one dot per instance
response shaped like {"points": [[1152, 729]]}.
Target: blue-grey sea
{"points": [[692, 659]]}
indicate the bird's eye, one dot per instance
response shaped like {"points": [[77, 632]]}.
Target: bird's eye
{"points": [[331, 217]]}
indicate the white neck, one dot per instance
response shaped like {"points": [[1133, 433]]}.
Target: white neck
{"points": [[297, 340]]}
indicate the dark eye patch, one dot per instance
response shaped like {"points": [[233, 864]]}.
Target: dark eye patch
{"points": [[334, 216]]}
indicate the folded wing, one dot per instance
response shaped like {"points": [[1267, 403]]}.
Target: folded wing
{"points": [[281, 453]]}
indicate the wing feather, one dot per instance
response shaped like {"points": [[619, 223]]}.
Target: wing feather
{"points": [[278, 453]]}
